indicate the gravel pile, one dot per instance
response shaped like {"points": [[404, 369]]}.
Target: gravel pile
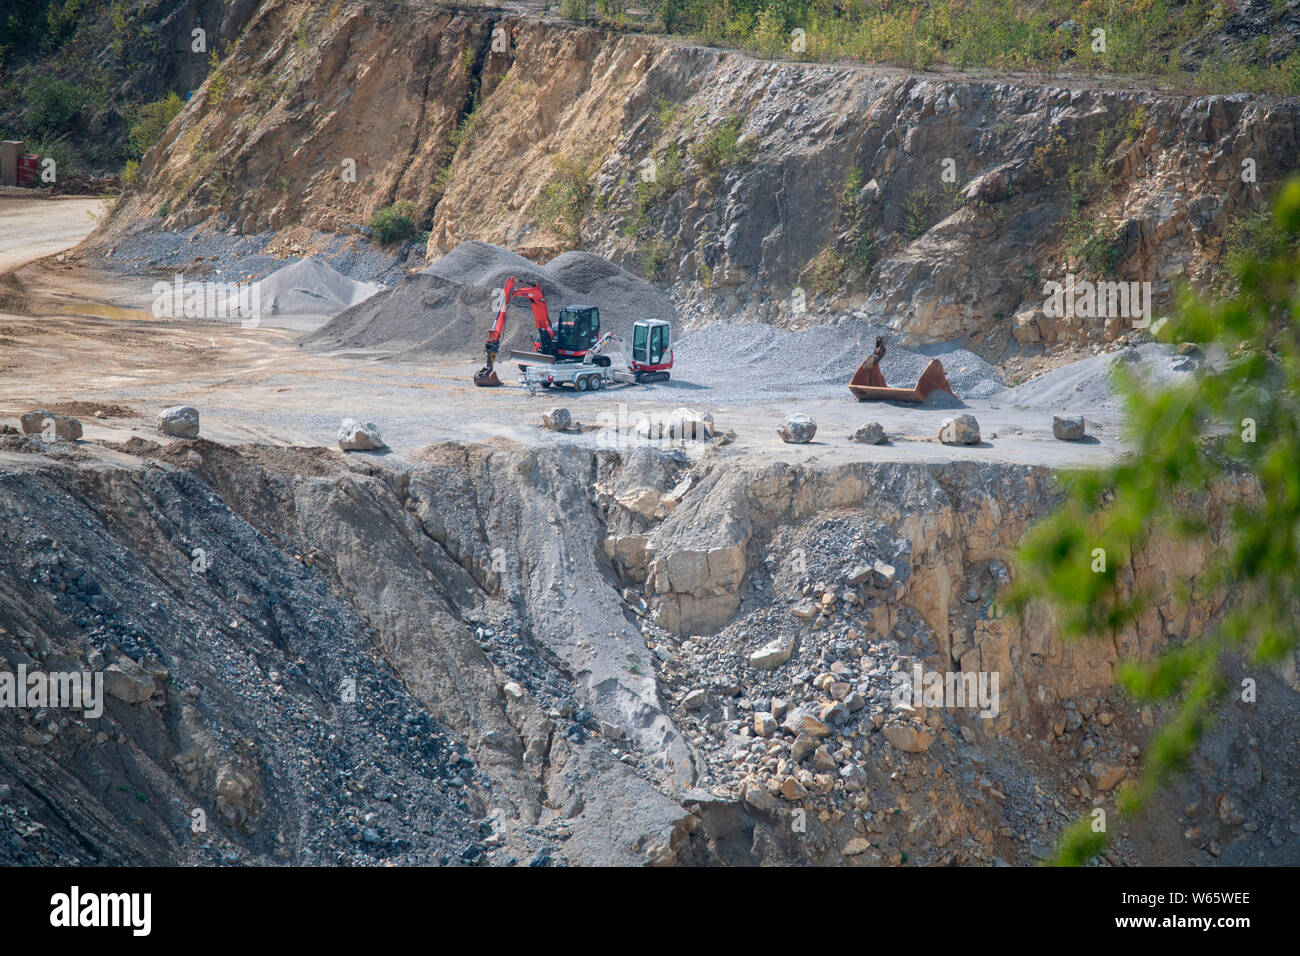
{"points": [[219, 255], [1086, 385], [447, 309], [311, 287], [763, 363]]}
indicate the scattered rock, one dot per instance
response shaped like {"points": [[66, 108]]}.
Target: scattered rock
{"points": [[1068, 428], [695, 700], [179, 421], [792, 789], [797, 429], [856, 847], [1104, 778], [557, 420], [773, 654], [764, 724], [128, 682], [859, 575], [803, 745], [907, 738], [882, 574], [804, 610], [61, 427], [805, 723], [991, 187], [758, 797], [822, 760], [642, 501], [681, 424], [359, 436], [960, 430], [872, 433], [1025, 327]]}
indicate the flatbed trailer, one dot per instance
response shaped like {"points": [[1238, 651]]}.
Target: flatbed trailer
{"points": [[580, 376]]}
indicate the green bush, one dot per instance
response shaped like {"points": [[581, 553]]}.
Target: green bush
{"points": [[1222, 442], [825, 271], [52, 104], [394, 223], [575, 9], [1142, 37], [653, 255], [151, 120]]}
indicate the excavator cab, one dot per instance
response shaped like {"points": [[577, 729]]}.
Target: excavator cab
{"points": [[652, 353], [579, 329]]}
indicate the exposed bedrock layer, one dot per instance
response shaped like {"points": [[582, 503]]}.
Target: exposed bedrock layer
{"points": [[503, 654], [940, 205]]}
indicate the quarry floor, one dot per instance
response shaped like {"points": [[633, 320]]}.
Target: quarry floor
{"points": [[79, 341]]}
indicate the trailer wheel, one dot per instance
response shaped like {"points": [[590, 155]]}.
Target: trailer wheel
{"points": [[581, 383], [596, 383]]}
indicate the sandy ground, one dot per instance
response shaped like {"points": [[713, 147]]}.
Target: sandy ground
{"points": [[32, 228], [79, 341]]}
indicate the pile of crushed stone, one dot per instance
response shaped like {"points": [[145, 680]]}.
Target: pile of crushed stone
{"points": [[1087, 385], [311, 287], [760, 362], [447, 309]]}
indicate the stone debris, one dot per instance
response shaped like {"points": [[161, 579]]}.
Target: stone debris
{"points": [[557, 420], [772, 654], [179, 421], [960, 430], [797, 429], [872, 433], [681, 424], [907, 738], [42, 422], [128, 682], [1068, 428], [359, 436]]}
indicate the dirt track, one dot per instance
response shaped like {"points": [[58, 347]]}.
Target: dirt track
{"points": [[32, 228]]}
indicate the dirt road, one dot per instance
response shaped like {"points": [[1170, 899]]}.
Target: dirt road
{"points": [[32, 228]]}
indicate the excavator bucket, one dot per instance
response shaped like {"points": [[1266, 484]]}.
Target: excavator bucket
{"points": [[869, 384], [486, 377]]}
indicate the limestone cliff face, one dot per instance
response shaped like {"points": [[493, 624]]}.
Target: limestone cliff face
{"points": [[453, 633], [948, 533], [938, 204]]}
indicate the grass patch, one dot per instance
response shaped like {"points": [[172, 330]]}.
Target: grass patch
{"points": [[151, 120], [721, 149]]}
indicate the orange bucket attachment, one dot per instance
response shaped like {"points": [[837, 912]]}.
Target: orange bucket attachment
{"points": [[486, 377], [868, 384]]}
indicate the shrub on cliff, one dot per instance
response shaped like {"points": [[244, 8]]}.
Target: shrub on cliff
{"points": [[394, 223]]}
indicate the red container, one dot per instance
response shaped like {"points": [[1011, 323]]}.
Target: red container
{"points": [[29, 170]]}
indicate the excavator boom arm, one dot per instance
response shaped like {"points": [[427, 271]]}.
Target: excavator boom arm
{"points": [[545, 334], [541, 319]]}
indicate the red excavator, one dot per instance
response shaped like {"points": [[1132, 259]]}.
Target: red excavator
{"points": [[579, 330]]}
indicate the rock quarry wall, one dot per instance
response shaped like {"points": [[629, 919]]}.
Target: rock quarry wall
{"points": [[494, 653], [836, 183]]}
